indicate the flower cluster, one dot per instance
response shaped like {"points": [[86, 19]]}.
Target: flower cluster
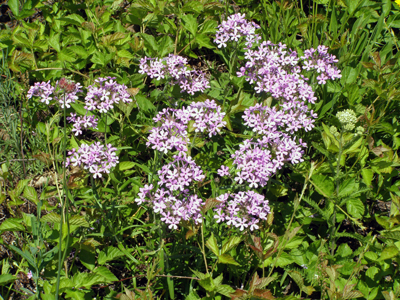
{"points": [[172, 198], [65, 92], [258, 160], [96, 158], [207, 116], [171, 133], [105, 93], [320, 60], [82, 122], [180, 173], [265, 120], [173, 125], [234, 29], [242, 210], [174, 67]]}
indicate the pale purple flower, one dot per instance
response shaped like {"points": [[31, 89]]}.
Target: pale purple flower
{"points": [[242, 210]]}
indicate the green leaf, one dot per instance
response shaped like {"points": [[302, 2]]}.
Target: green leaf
{"points": [[212, 244], [145, 104], [11, 224], [323, 184], [225, 290], [367, 176], [14, 6], [165, 46], [31, 194], [6, 278], [209, 26], [67, 55], [149, 42], [51, 217], [207, 284], [204, 41], [348, 187], [190, 23], [106, 273], [109, 254], [389, 252], [78, 221], [227, 259], [126, 165], [355, 208], [231, 243], [25, 255]]}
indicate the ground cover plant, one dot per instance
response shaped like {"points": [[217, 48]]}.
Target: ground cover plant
{"points": [[200, 149]]}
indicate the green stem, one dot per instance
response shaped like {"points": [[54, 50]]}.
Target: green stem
{"points": [[64, 208]]}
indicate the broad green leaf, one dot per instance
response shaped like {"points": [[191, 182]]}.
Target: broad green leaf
{"points": [[207, 283], [67, 55], [145, 104], [231, 243], [190, 23], [367, 176], [165, 46], [389, 252], [14, 6], [323, 184], [355, 208], [348, 187], [225, 290], [149, 42], [212, 244], [209, 26], [6, 278], [109, 254], [106, 273], [87, 258], [204, 41], [227, 259], [51, 217], [126, 165], [78, 221], [11, 224], [31, 194]]}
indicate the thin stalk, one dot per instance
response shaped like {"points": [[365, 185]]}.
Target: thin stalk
{"points": [[202, 247], [332, 238], [64, 208]]}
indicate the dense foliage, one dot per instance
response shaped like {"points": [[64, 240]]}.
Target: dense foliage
{"points": [[160, 149]]}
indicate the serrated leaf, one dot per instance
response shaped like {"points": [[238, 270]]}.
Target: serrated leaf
{"points": [[11, 224], [31, 194], [263, 294], [225, 290], [207, 283], [355, 208], [389, 252], [323, 184], [166, 46], [106, 273], [210, 203], [190, 23], [66, 55], [213, 245], [227, 259], [348, 187], [78, 221], [144, 104], [51, 217], [199, 274], [109, 254], [231, 243]]}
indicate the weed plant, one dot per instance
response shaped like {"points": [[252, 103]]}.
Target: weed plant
{"points": [[200, 150]]}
